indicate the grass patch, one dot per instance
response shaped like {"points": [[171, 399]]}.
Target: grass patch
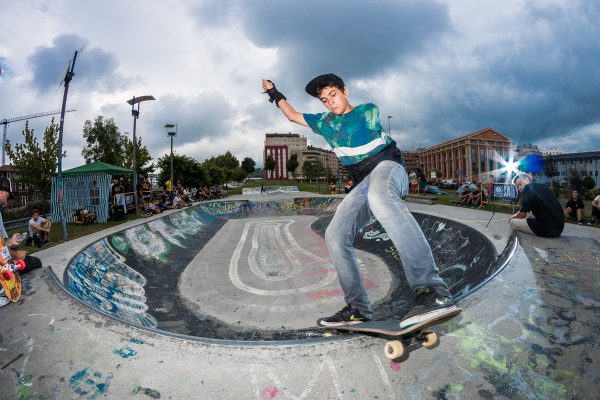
{"points": [[74, 231]]}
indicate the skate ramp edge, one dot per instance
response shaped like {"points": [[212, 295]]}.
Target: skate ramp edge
{"points": [[117, 275]]}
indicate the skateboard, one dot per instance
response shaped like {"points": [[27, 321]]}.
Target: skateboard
{"points": [[9, 273], [417, 333]]}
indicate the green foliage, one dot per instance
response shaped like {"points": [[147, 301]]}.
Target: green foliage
{"points": [[185, 168], [588, 183], [313, 169], [248, 165], [227, 163], [292, 164], [239, 174], [591, 194], [550, 168], [270, 163], [142, 156], [104, 142], [574, 178], [35, 165]]}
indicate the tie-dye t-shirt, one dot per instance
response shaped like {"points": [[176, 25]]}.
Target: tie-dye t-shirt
{"points": [[354, 136]]}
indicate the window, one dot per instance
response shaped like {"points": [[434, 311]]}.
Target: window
{"points": [[482, 159], [474, 170]]}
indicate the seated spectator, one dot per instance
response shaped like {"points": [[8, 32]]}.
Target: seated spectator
{"points": [[14, 242], [205, 194], [163, 203], [475, 197], [118, 193], [332, 188], [39, 229], [575, 207], [178, 202], [464, 197], [596, 210]]}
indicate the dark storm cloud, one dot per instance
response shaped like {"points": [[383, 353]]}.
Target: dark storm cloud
{"points": [[354, 39], [532, 84], [94, 68]]}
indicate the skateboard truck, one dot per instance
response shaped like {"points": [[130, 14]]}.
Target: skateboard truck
{"points": [[9, 269]]}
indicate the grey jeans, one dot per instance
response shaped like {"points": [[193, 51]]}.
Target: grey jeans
{"points": [[379, 195]]}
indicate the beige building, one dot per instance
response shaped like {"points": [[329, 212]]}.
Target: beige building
{"points": [[471, 157]]}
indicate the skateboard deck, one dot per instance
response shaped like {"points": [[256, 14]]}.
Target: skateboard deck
{"points": [[415, 333], [12, 287]]}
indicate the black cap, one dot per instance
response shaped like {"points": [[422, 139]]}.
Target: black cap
{"points": [[6, 187], [312, 86]]}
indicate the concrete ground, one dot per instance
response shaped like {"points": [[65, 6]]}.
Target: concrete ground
{"points": [[532, 332]]}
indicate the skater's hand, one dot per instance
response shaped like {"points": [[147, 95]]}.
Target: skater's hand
{"points": [[267, 84]]}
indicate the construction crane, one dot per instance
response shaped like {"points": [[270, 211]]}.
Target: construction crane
{"points": [[7, 121]]}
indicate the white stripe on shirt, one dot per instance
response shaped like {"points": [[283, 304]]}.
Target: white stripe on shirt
{"points": [[360, 150]]}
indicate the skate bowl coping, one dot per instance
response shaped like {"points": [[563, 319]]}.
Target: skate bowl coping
{"points": [[138, 276], [271, 190]]}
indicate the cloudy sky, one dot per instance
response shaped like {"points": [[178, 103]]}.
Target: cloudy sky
{"points": [[529, 69]]}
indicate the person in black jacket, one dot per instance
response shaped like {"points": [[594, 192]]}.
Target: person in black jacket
{"points": [[541, 214]]}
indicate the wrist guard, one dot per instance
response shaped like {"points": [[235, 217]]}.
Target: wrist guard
{"points": [[275, 95]]}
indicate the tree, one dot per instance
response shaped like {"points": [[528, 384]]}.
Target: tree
{"points": [[292, 164], [33, 164], [226, 162], [103, 141], [239, 174], [270, 164], [185, 168], [574, 178], [550, 168], [248, 165], [588, 183], [142, 157]]}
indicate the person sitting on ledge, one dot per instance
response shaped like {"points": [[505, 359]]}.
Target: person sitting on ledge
{"points": [[541, 214], [39, 229]]}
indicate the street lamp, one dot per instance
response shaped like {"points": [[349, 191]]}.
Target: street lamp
{"points": [[389, 125], [136, 114], [171, 133]]}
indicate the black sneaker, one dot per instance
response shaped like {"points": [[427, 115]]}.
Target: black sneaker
{"points": [[427, 303], [346, 316]]}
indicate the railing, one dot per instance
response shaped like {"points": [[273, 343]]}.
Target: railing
{"points": [[17, 223]]}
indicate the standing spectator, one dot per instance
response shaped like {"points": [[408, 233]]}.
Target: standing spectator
{"points": [[413, 181], [575, 207], [422, 180], [39, 229], [348, 185], [118, 193], [541, 214]]}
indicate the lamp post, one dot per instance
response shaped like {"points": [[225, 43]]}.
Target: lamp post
{"points": [[171, 133], [389, 125], [136, 114]]}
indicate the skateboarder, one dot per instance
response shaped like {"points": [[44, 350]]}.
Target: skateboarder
{"points": [[380, 179]]}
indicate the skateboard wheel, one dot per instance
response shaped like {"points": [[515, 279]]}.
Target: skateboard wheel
{"points": [[430, 339], [6, 275], [20, 264], [394, 349]]}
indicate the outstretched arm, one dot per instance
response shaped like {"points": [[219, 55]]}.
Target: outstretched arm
{"points": [[281, 102]]}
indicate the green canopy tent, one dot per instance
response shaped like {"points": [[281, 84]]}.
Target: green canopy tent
{"points": [[86, 187]]}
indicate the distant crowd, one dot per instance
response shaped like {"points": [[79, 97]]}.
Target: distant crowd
{"points": [[150, 201]]}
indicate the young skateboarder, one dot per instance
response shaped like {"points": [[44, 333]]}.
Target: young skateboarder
{"points": [[380, 179]]}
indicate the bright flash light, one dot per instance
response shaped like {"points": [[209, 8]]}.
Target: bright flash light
{"points": [[509, 166]]}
